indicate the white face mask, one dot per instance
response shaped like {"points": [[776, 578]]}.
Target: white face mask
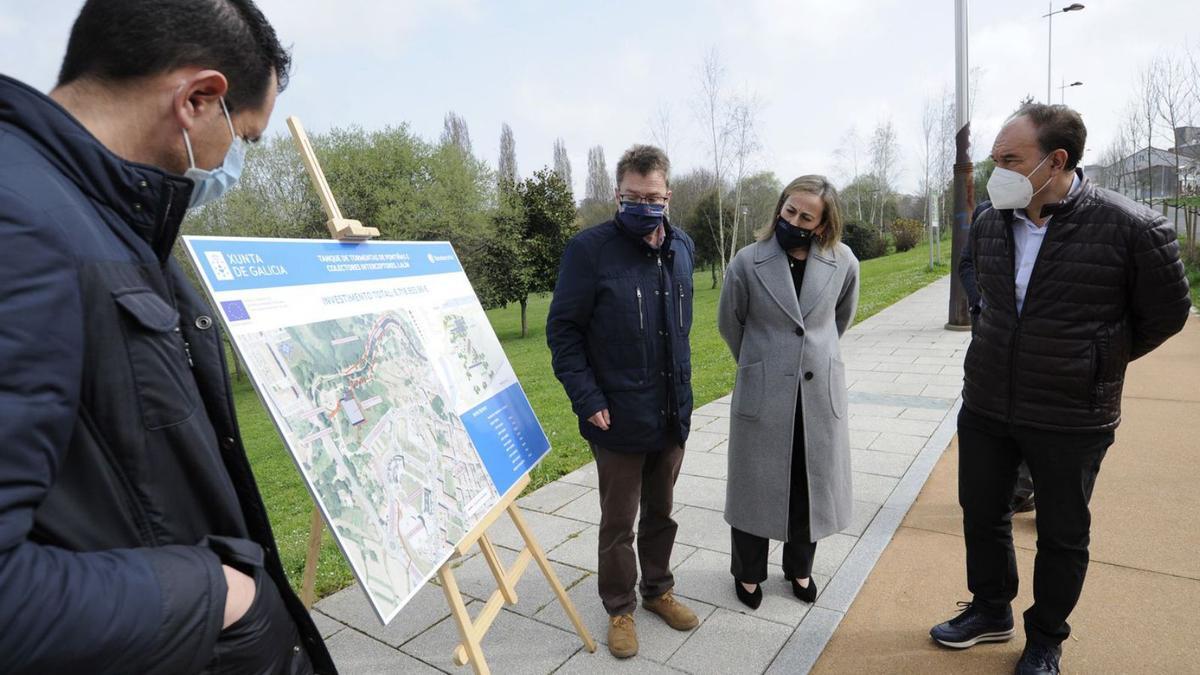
{"points": [[1010, 190], [212, 185]]}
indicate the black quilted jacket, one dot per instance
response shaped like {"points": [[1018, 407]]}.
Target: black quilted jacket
{"points": [[1108, 287]]}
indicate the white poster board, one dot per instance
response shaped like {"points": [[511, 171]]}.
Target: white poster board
{"points": [[391, 391]]}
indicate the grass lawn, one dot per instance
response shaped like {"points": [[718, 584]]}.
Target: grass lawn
{"points": [[883, 282]]}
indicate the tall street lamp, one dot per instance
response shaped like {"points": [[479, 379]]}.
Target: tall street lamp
{"points": [[1074, 7], [1062, 91]]}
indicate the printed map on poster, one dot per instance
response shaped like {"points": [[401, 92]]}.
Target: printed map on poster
{"points": [[390, 388]]}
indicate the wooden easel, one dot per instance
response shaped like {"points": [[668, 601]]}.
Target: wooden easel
{"points": [[473, 631]]}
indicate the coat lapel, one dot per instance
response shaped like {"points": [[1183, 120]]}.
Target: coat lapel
{"points": [[771, 268], [817, 274]]}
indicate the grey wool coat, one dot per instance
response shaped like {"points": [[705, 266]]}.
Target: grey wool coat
{"points": [[784, 347]]}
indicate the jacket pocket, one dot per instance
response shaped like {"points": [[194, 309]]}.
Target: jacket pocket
{"points": [[837, 387], [158, 358], [748, 391]]}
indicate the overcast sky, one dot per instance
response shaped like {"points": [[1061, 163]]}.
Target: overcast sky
{"points": [[594, 73]]}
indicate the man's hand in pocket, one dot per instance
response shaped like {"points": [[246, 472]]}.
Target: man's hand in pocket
{"points": [[239, 597]]}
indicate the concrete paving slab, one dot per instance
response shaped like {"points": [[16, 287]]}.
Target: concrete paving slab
{"points": [[550, 530], [354, 652], [327, 626], [880, 463], [705, 577], [585, 508], [731, 642], [350, 607], [702, 528], [533, 591], [871, 488], [705, 464], [514, 644], [701, 441], [708, 493], [584, 475], [551, 497]]}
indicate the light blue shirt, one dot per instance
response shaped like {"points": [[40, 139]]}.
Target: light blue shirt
{"points": [[1028, 239]]}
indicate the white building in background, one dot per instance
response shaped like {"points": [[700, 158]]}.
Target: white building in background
{"points": [[1150, 173]]}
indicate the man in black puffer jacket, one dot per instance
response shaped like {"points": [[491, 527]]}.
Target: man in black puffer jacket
{"points": [[1076, 281]]}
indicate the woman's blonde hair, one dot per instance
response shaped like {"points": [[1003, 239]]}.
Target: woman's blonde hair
{"points": [[830, 227]]}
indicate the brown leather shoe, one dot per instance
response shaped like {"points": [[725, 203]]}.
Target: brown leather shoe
{"points": [[672, 611], [622, 636]]}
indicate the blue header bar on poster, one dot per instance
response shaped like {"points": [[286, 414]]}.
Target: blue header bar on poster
{"points": [[239, 263]]}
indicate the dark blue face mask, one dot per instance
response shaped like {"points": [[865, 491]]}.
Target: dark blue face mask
{"points": [[641, 219], [789, 236]]}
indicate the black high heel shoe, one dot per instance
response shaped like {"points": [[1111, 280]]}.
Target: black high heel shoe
{"points": [[807, 594], [751, 600]]}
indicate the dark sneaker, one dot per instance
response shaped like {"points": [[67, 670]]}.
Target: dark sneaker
{"points": [[1039, 659], [973, 626], [1023, 504]]}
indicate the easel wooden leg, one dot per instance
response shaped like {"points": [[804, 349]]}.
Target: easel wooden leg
{"points": [[309, 584], [493, 561], [470, 637], [532, 545]]}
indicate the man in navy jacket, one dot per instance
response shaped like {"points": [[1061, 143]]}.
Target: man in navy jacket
{"points": [[132, 535], [618, 332]]}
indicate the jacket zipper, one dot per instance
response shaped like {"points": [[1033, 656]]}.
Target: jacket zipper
{"points": [[187, 348], [681, 306], [641, 311]]}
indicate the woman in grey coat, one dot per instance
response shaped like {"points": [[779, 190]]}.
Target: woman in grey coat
{"points": [[787, 300]]}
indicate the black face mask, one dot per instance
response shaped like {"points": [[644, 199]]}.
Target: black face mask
{"points": [[789, 236]]}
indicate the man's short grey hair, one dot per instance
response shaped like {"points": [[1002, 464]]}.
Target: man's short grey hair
{"points": [[643, 160]]}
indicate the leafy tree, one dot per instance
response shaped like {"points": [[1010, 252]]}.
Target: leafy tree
{"points": [[704, 228], [530, 235]]}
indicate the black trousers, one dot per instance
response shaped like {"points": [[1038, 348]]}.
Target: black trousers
{"points": [[1064, 468], [748, 561]]}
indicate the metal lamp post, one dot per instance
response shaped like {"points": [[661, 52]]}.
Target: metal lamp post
{"points": [[964, 183], [1049, 17], [1062, 90]]}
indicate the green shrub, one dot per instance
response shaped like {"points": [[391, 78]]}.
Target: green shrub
{"points": [[906, 233], [864, 240]]}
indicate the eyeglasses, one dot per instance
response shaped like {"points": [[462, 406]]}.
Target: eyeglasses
{"points": [[642, 199]]}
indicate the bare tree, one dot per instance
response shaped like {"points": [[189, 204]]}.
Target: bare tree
{"points": [[1175, 88], [507, 173], [1147, 111], [848, 153], [745, 145], [660, 128], [454, 132], [1131, 142], [562, 163], [944, 165], [713, 111], [930, 118], [885, 162]]}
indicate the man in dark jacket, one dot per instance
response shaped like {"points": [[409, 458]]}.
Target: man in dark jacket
{"points": [[132, 535], [618, 332], [1022, 499], [1076, 282]]}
